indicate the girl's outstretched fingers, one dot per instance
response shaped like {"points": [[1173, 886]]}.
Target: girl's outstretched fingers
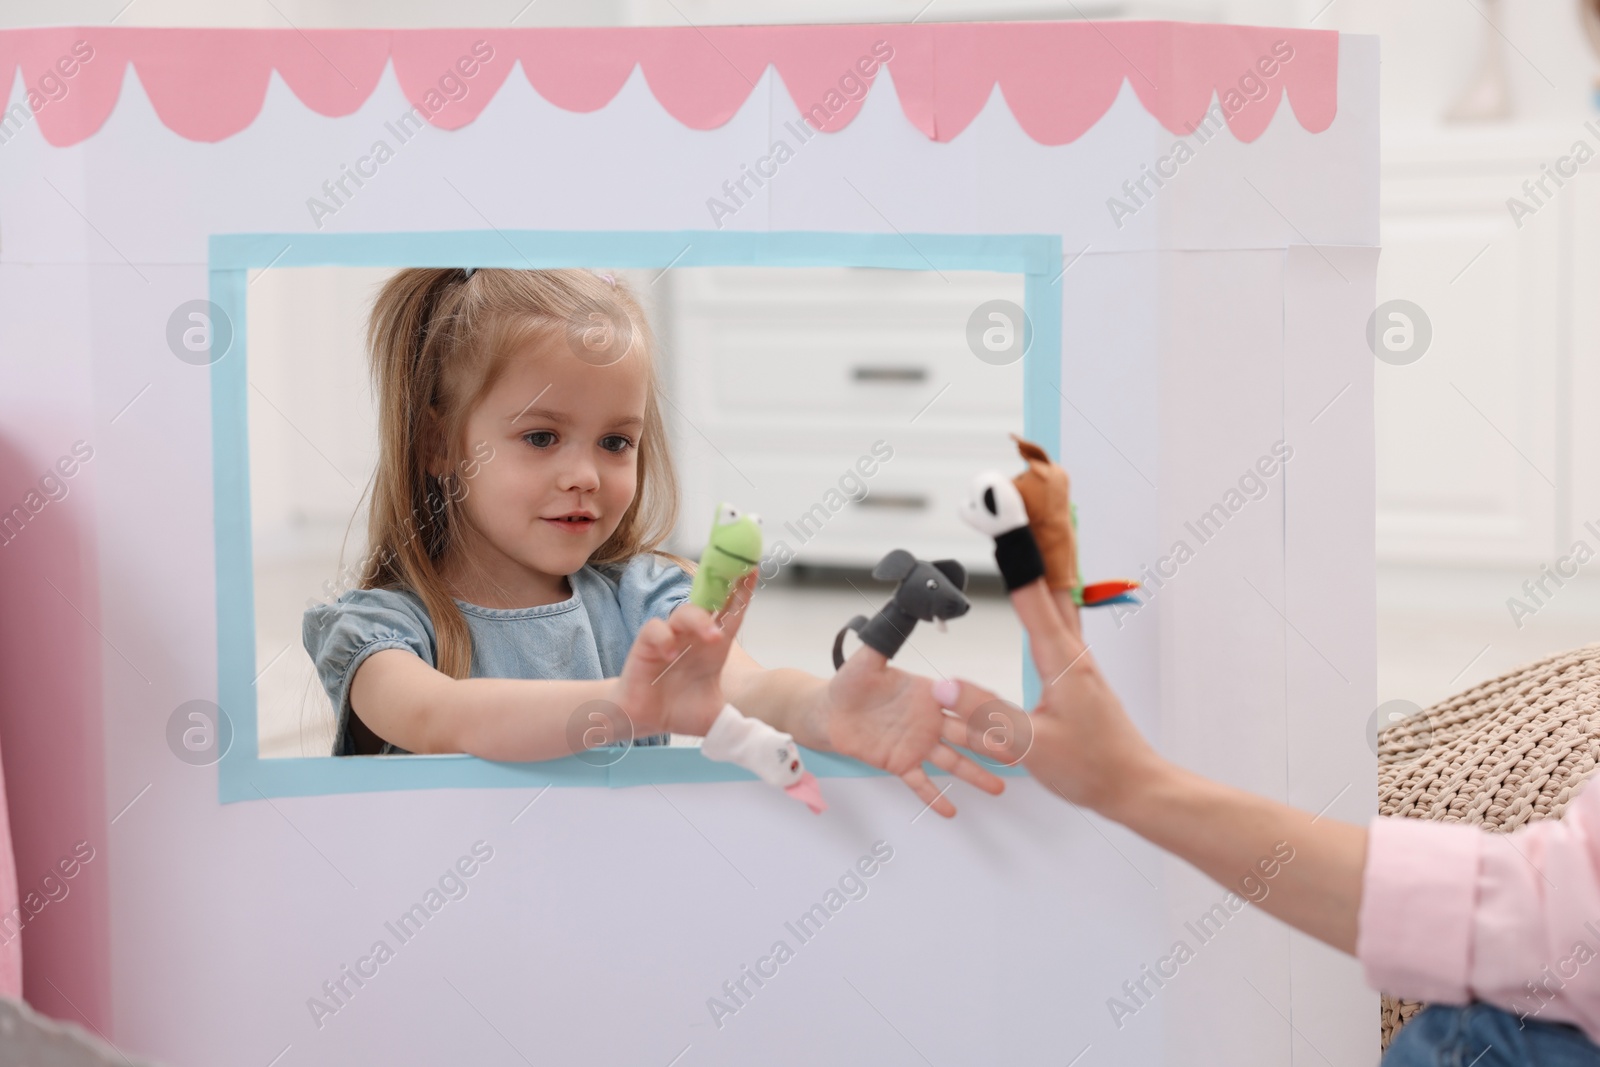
{"points": [[983, 723], [655, 648], [656, 643], [963, 767], [891, 720], [691, 623], [932, 796], [684, 691], [694, 623], [961, 696]]}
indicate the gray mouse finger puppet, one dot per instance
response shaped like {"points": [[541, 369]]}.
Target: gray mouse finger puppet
{"points": [[995, 508], [928, 592]]}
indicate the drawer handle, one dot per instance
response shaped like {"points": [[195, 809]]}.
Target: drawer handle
{"points": [[890, 374], [904, 501]]}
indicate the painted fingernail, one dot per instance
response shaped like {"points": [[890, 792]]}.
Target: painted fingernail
{"points": [[947, 692]]}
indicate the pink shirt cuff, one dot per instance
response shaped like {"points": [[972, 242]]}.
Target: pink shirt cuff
{"points": [[1415, 926]]}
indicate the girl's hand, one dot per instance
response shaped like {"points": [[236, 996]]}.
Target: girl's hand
{"points": [[672, 680], [890, 719]]}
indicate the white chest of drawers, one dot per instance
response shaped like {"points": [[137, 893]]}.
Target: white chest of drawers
{"points": [[841, 404]]}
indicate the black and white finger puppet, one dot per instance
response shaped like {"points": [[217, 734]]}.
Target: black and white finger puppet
{"points": [[995, 507]]}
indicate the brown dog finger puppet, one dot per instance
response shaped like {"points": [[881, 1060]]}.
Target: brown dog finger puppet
{"points": [[1046, 493], [928, 592]]}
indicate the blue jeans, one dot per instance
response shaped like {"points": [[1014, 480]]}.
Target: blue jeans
{"points": [[1479, 1035]]}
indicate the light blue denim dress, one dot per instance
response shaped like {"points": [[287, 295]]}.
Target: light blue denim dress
{"points": [[586, 636]]}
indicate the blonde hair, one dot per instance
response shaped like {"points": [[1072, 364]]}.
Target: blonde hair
{"points": [[439, 338]]}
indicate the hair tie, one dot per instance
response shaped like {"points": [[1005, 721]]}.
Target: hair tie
{"points": [[467, 272], [610, 280]]}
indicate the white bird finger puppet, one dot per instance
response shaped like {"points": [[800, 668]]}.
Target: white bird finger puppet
{"points": [[765, 751]]}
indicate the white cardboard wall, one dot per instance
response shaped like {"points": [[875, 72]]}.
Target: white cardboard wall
{"points": [[1205, 330]]}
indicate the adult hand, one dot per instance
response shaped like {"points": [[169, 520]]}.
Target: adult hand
{"points": [[1079, 741]]}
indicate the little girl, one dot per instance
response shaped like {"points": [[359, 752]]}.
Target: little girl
{"points": [[512, 591]]}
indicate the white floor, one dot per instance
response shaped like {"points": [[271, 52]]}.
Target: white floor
{"points": [[1441, 631]]}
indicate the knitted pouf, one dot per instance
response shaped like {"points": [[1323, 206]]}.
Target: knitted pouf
{"points": [[1509, 751]]}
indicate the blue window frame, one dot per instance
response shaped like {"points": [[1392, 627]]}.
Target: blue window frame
{"points": [[242, 773]]}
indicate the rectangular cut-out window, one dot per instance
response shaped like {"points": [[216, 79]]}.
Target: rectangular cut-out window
{"points": [[275, 523]]}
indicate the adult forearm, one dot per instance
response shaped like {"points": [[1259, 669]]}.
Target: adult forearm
{"points": [[1230, 834]]}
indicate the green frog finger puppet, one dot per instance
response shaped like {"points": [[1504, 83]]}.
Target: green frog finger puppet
{"points": [[733, 551]]}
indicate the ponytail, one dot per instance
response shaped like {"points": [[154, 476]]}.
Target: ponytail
{"points": [[414, 322]]}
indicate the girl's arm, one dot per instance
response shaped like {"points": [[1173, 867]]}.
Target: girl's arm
{"points": [[408, 703], [784, 698], [662, 687]]}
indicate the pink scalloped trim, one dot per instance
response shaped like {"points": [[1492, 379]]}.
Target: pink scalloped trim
{"points": [[1058, 78]]}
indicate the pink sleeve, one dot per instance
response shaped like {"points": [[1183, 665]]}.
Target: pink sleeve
{"points": [[1414, 930], [1451, 913]]}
